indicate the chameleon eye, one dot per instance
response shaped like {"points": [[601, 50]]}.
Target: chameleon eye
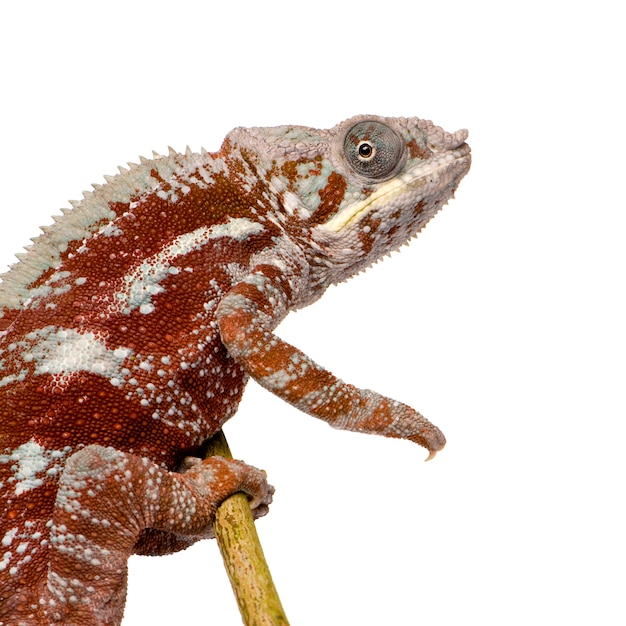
{"points": [[373, 150]]}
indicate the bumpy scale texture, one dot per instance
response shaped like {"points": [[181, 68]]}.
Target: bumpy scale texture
{"points": [[130, 327]]}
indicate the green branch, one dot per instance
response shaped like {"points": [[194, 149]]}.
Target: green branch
{"points": [[243, 557]]}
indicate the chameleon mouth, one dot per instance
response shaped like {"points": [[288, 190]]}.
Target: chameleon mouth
{"points": [[451, 165]]}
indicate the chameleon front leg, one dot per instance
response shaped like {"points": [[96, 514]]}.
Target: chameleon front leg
{"points": [[246, 317], [106, 498]]}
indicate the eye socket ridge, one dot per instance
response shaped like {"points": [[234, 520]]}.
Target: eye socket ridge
{"points": [[373, 150]]}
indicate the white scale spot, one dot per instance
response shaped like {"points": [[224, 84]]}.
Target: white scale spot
{"points": [[30, 462], [9, 536], [6, 559], [65, 351]]}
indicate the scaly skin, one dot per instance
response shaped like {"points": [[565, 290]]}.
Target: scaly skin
{"points": [[129, 329]]}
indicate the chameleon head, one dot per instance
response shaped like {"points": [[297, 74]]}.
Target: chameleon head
{"points": [[355, 192], [399, 172]]}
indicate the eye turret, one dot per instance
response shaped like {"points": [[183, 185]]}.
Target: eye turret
{"points": [[373, 150]]}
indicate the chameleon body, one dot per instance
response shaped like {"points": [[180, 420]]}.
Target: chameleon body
{"points": [[130, 327]]}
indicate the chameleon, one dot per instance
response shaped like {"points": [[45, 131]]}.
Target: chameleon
{"points": [[129, 328]]}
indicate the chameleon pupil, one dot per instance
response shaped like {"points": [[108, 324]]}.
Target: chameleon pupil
{"points": [[365, 150]]}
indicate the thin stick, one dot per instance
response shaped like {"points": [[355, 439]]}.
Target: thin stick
{"points": [[243, 557]]}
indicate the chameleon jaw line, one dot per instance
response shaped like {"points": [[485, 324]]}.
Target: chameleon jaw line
{"points": [[400, 184]]}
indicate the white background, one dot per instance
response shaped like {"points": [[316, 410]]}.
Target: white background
{"points": [[503, 323]]}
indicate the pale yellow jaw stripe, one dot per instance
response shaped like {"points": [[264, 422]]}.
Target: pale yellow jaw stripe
{"points": [[398, 185]]}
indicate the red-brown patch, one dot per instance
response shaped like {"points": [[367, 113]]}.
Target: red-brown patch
{"points": [[331, 197], [418, 152]]}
